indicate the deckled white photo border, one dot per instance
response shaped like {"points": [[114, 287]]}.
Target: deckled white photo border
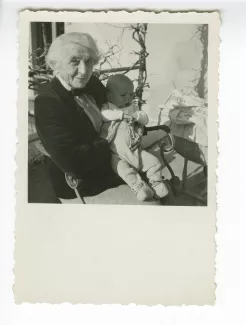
{"points": [[123, 222]]}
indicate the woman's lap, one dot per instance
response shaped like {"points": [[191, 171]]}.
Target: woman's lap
{"points": [[118, 195]]}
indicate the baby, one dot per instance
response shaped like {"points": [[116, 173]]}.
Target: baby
{"points": [[123, 128]]}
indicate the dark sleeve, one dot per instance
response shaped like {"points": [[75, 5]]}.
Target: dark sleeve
{"points": [[96, 88], [61, 143]]}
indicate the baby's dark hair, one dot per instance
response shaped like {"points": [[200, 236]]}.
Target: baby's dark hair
{"points": [[114, 79]]}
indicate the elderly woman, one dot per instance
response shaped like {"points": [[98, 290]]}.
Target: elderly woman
{"points": [[68, 119]]}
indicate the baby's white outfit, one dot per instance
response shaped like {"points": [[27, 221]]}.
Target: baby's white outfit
{"points": [[125, 143]]}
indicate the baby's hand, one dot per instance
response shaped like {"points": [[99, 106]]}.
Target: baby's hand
{"points": [[127, 117], [133, 115]]}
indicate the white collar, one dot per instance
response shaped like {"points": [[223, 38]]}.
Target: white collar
{"points": [[65, 85], [114, 107]]}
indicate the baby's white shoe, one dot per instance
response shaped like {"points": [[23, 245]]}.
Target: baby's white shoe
{"points": [[159, 188], [142, 190]]}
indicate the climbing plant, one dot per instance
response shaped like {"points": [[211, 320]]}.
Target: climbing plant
{"points": [[40, 73], [202, 35]]}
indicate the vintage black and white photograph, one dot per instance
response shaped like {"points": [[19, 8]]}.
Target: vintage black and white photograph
{"points": [[116, 158], [117, 113]]}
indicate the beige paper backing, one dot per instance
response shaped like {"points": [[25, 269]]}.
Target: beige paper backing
{"points": [[115, 254]]}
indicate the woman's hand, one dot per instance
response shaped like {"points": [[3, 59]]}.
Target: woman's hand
{"points": [[101, 141]]}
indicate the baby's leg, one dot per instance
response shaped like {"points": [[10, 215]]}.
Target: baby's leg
{"points": [[124, 170], [120, 146], [132, 178], [153, 167]]}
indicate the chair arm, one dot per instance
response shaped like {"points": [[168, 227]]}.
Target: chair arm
{"points": [[72, 181], [164, 146], [165, 128], [167, 143]]}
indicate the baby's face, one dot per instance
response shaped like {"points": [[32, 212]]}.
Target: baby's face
{"points": [[122, 94]]}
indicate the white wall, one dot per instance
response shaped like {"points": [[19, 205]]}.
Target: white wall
{"points": [[172, 57]]}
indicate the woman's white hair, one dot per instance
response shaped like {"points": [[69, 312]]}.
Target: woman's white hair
{"points": [[56, 50]]}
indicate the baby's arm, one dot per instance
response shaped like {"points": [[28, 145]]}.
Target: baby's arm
{"points": [[111, 115]]}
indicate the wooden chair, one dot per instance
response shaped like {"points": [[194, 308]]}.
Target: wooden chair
{"points": [[190, 151]]}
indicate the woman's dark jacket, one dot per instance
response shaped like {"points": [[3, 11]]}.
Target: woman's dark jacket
{"points": [[69, 137]]}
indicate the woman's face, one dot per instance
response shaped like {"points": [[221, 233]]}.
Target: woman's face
{"points": [[76, 66]]}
